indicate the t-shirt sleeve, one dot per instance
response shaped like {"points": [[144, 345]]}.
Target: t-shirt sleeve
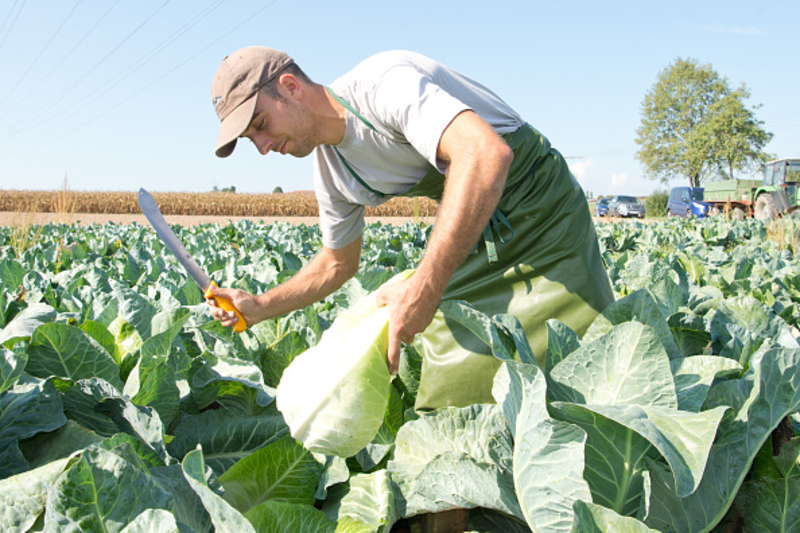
{"points": [[411, 103]]}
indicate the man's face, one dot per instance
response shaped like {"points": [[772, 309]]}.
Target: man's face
{"points": [[282, 125]]}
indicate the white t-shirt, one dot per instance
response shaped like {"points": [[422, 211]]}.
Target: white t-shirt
{"points": [[410, 100]]}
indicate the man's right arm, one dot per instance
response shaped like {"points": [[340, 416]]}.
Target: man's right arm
{"points": [[325, 273]]}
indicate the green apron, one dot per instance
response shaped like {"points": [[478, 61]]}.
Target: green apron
{"points": [[545, 263]]}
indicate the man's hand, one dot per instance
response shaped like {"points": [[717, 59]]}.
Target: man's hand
{"points": [[411, 310], [246, 303]]}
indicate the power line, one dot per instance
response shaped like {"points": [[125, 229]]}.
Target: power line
{"points": [[44, 48], [61, 61], [46, 108], [39, 142], [13, 22], [90, 98]]}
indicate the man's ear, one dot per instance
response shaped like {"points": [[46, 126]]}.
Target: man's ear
{"points": [[291, 85]]}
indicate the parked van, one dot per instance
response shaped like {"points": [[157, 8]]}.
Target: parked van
{"points": [[687, 202]]}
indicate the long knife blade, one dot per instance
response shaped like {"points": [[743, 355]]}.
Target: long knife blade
{"points": [[153, 213], [150, 209]]}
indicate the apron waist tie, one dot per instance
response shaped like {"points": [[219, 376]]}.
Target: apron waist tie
{"points": [[495, 225]]}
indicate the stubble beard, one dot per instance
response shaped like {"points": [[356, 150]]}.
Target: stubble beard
{"points": [[304, 140]]}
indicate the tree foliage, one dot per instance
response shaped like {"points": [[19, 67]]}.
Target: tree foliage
{"points": [[736, 135], [694, 125]]}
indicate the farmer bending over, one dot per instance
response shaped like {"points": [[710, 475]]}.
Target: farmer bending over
{"points": [[513, 233]]}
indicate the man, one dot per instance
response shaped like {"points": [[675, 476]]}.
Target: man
{"points": [[513, 233]]}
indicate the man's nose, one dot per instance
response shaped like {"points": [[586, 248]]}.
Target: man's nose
{"points": [[263, 143]]}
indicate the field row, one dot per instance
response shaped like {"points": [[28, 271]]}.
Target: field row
{"points": [[294, 204]]}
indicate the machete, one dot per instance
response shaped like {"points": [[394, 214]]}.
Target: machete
{"points": [[150, 209]]}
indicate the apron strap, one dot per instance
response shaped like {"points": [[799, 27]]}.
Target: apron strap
{"points": [[350, 169], [349, 108], [358, 178]]}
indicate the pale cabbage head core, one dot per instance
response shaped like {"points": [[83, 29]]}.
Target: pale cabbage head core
{"points": [[333, 396]]}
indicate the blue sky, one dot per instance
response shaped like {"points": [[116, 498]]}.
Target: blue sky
{"points": [[114, 95]]}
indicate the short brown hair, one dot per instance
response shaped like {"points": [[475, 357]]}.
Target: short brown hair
{"points": [[271, 87]]}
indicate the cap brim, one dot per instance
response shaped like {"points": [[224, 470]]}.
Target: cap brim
{"points": [[234, 125]]}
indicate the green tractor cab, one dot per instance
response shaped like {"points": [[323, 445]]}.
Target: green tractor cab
{"points": [[780, 193], [777, 194]]}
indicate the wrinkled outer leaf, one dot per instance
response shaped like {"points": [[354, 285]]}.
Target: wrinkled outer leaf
{"points": [[67, 352], [591, 518], [464, 430], [334, 472], [639, 306], [81, 401], [742, 324], [11, 367], [512, 326], [283, 470], [626, 366], [561, 341], [484, 328], [368, 498], [30, 407], [188, 508], [153, 521], [774, 504], [773, 393], [275, 515], [669, 295], [473, 439], [277, 356], [45, 448], [614, 457], [135, 309], [225, 518], [221, 368], [683, 438], [102, 492], [226, 436], [455, 481], [137, 421], [23, 325], [690, 332], [694, 375], [132, 450], [157, 387], [22, 497], [548, 454]]}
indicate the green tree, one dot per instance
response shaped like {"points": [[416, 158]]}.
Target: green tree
{"points": [[692, 121], [736, 135]]}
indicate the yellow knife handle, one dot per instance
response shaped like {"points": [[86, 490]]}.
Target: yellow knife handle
{"points": [[226, 304]]}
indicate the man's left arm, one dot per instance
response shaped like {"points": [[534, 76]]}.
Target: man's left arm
{"points": [[478, 167]]}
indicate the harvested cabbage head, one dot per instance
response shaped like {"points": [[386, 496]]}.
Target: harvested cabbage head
{"points": [[333, 396]]}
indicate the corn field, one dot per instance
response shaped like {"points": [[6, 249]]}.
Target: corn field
{"points": [[300, 204]]}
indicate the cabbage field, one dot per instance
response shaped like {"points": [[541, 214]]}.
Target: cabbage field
{"points": [[125, 407]]}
